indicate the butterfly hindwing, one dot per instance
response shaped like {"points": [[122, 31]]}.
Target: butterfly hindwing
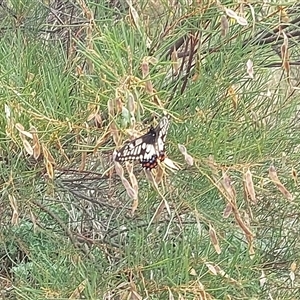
{"points": [[148, 148]]}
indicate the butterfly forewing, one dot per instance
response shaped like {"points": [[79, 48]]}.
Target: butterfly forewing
{"points": [[148, 148], [162, 129]]}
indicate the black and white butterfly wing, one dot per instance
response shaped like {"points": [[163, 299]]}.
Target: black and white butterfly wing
{"points": [[161, 133], [148, 148]]}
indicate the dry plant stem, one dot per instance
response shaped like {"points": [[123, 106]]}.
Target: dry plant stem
{"points": [[162, 205], [63, 226]]}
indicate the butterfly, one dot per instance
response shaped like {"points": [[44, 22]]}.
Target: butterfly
{"points": [[148, 148]]}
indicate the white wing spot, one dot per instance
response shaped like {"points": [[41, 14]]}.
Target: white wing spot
{"points": [[138, 141], [160, 144], [137, 150], [149, 148]]}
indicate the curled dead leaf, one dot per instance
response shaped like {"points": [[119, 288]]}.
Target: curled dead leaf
{"points": [[285, 53], [111, 107], [248, 233], [159, 174], [250, 186], [132, 177], [27, 146], [224, 25], [227, 185], [168, 162], [47, 155], [133, 14], [131, 103], [132, 192], [36, 143], [250, 70], [119, 105], [188, 158], [145, 67], [293, 266], [115, 133], [274, 177], [49, 169], [211, 268], [22, 130], [227, 211], [242, 21], [230, 13], [214, 239], [119, 169], [145, 74]]}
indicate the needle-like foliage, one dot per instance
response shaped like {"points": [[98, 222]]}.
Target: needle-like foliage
{"points": [[218, 218]]}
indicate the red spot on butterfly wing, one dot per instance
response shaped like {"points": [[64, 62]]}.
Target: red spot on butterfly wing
{"points": [[149, 166]]}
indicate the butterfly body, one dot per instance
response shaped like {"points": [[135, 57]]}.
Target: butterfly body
{"points": [[148, 148]]}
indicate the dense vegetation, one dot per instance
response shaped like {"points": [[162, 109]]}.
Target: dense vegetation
{"points": [[219, 219]]}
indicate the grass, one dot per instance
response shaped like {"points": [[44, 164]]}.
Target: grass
{"points": [[67, 228]]}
